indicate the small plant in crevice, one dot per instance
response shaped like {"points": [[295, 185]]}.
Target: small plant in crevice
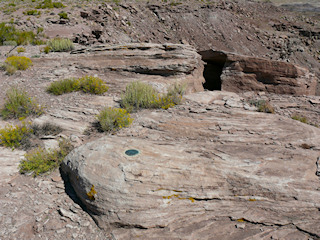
{"points": [[19, 104], [21, 49], [300, 118], [141, 95], [113, 119], [45, 129], [262, 106], [60, 45], [39, 161], [63, 15]]}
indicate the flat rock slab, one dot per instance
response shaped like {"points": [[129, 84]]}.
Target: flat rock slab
{"points": [[227, 173]]}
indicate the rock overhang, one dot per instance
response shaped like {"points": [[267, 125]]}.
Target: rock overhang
{"points": [[241, 73]]}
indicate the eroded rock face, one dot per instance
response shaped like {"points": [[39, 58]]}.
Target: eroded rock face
{"points": [[243, 73], [165, 63], [207, 168]]}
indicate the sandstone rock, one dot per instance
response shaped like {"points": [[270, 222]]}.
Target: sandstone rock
{"points": [[243, 73], [167, 62], [203, 175]]}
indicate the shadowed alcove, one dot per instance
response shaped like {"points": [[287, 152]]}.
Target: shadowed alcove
{"points": [[214, 63]]}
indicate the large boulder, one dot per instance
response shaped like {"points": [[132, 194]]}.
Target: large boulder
{"points": [[226, 173], [240, 73]]}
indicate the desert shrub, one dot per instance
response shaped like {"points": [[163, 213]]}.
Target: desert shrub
{"points": [[9, 35], [19, 62], [9, 69], [49, 4], [300, 118], [14, 136], [94, 85], [21, 49], [141, 95], [262, 105], [45, 129], [60, 45], [63, 86], [87, 84], [32, 12], [39, 161], [9, 43], [63, 15], [112, 119], [138, 95], [19, 104], [175, 93], [46, 49]]}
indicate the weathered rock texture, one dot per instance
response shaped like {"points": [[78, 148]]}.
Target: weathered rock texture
{"points": [[167, 63], [208, 168], [243, 73]]}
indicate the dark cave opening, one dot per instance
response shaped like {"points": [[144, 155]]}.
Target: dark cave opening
{"points": [[212, 72], [214, 64]]}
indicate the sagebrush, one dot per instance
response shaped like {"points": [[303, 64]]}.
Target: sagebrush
{"points": [[19, 104], [141, 95], [60, 45]]}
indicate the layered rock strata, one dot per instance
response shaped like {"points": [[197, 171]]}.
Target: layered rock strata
{"points": [[244, 73]]}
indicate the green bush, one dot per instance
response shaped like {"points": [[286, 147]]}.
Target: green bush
{"points": [[50, 4], [141, 95], [63, 86], [14, 136], [87, 84], [138, 95], [19, 104], [39, 161], [9, 35], [60, 45], [32, 12], [63, 15], [112, 119]]}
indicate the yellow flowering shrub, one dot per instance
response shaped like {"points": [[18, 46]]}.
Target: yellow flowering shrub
{"points": [[112, 119], [94, 85], [14, 63], [14, 135]]}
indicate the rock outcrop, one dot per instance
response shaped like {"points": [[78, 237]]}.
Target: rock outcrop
{"points": [[244, 73], [159, 63], [207, 168]]}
